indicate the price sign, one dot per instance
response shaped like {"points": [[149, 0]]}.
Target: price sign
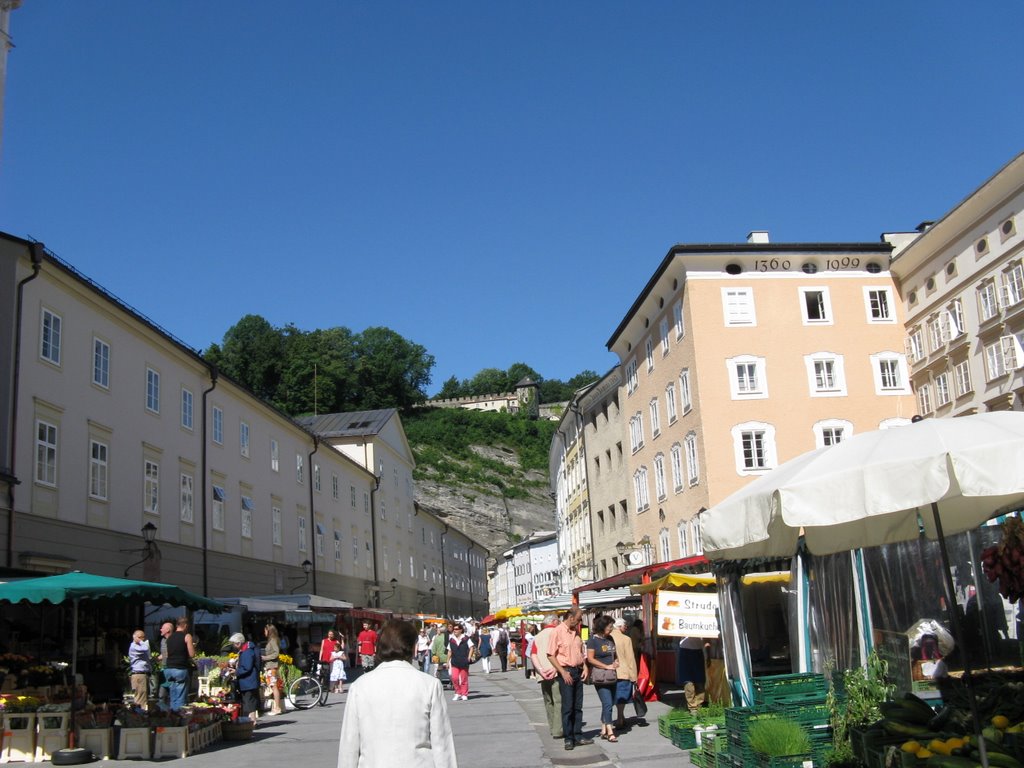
{"points": [[687, 614]]}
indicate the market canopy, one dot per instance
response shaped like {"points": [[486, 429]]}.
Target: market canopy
{"points": [[670, 580], [76, 585]]}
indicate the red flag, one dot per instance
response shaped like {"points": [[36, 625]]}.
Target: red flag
{"points": [[644, 681]]}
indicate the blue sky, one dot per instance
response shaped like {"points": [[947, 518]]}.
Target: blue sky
{"points": [[494, 181]]}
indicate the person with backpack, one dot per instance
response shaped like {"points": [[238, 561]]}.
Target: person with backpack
{"points": [[499, 639]]}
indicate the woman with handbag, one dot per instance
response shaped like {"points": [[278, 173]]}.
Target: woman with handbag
{"points": [[603, 665]]}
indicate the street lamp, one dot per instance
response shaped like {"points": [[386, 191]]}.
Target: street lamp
{"points": [[148, 549], [394, 588], [307, 568]]}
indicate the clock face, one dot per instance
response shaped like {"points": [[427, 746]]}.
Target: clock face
{"points": [[636, 558]]}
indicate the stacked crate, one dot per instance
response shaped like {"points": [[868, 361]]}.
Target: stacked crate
{"points": [[801, 698]]}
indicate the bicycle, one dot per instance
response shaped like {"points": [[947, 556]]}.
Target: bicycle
{"points": [[309, 690]]}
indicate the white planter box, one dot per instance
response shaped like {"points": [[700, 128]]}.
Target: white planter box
{"points": [[99, 741], [135, 743], [19, 744]]}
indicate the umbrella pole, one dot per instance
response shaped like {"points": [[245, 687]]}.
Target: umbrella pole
{"points": [[74, 667], [954, 620]]}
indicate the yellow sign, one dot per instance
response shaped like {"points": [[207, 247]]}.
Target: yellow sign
{"points": [[687, 614]]}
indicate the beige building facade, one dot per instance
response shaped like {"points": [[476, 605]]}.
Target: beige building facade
{"points": [[110, 424], [961, 283], [737, 357]]}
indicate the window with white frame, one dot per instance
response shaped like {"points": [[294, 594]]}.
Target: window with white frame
{"points": [[889, 371], [275, 526], [247, 510], [636, 432], [831, 432], [942, 396], [649, 353], [217, 508], [655, 418], [663, 545], [815, 306], [100, 363], [988, 307], [334, 486], [640, 490], [659, 476], [676, 455], [681, 535], [632, 380], [1013, 285], [962, 378], [696, 535], [99, 469], [337, 547], [915, 345], [684, 390], [187, 486], [1003, 356], [738, 306], [924, 399], [49, 337], [186, 408], [936, 333], [300, 475], [218, 425], [152, 390], [302, 534], [275, 456], [878, 302], [663, 330], [677, 319], [754, 447], [352, 495], [826, 374], [955, 318], [670, 402], [243, 439], [747, 377], [318, 540], [692, 460], [151, 488], [316, 477]]}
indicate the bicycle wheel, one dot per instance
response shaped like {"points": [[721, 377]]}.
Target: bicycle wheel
{"points": [[324, 690], [305, 692]]}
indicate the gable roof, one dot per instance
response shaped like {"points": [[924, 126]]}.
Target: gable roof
{"points": [[350, 424]]}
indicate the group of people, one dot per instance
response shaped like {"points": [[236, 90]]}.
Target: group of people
{"points": [[556, 653]]}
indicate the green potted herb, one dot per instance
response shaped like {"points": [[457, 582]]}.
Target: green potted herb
{"points": [[863, 689], [779, 742]]}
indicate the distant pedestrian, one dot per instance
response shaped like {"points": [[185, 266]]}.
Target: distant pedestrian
{"points": [[418, 732], [326, 657], [438, 650], [247, 672], [270, 659], [500, 640], [366, 644], [338, 659], [486, 650], [423, 650], [528, 633], [458, 659]]}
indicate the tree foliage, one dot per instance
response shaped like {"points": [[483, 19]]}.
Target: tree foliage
{"points": [[326, 371]]}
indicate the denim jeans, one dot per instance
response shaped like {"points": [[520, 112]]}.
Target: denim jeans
{"points": [[606, 693], [572, 704], [178, 679]]}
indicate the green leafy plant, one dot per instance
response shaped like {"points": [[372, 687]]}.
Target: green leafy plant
{"points": [[779, 737], [712, 714], [855, 702]]}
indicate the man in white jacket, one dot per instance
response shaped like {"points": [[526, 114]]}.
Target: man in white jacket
{"points": [[418, 733]]}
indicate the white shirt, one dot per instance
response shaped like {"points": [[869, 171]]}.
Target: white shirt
{"points": [[416, 732]]}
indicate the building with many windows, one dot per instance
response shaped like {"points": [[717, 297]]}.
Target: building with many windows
{"points": [[110, 425], [961, 282], [737, 357]]}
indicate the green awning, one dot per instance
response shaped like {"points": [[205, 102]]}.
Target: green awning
{"points": [[73, 586]]}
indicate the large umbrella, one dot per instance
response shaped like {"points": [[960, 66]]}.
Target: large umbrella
{"points": [[880, 487]]}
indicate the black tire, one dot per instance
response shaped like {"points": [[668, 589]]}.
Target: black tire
{"points": [[75, 756], [305, 692], [324, 691]]}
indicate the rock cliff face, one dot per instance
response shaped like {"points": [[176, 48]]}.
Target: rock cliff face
{"points": [[484, 513]]}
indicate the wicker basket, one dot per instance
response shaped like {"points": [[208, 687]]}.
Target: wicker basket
{"points": [[234, 731]]}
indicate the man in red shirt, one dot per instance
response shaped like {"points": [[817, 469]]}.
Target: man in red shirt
{"points": [[367, 646]]}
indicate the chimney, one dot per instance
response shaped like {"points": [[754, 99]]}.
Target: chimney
{"points": [[757, 236]]}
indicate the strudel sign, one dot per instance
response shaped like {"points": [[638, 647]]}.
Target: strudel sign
{"points": [[687, 614]]}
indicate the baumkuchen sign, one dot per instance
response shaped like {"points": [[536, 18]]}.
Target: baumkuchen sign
{"points": [[687, 614]]}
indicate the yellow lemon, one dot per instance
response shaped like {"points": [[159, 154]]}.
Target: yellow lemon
{"points": [[923, 753], [1002, 722], [911, 747]]}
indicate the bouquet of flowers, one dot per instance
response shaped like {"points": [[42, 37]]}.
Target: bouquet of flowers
{"points": [[10, 704]]}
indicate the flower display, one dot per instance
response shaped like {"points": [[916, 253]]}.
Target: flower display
{"points": [[10, 704]]}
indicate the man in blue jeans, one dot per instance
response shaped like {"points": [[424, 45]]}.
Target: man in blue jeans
{"points": [[565, 652], [177, 663]]}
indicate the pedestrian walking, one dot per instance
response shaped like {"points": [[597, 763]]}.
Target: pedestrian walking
{"points": [[603, 667], [565, 652], [438, 650], [366, 644], [458, 660], [423, 650], [548, 675], [418, 732], [338, 660], [499, 639], [486, 650], [626, 674], [270, 660]]}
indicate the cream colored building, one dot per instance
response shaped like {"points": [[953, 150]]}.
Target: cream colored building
{"points": [[961, 283], [737, 357], [567, 467], [110, 424]]}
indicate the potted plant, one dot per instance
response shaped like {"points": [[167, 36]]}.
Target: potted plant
{"points": [[779, 742], [855, 704]]}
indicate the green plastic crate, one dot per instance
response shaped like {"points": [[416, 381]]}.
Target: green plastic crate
{"points": [[789, 761], [769, 690], [681, 734], [675, 716]]}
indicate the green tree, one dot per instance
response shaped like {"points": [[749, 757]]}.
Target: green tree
{"points": [[451, 388], [519, 371], [251, 355], [318, 374], [489, 381], [391, 372]]}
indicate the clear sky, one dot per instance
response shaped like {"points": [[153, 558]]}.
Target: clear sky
{"points": [[493, 180]]}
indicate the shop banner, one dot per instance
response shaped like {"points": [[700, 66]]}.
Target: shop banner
{"points": [[687, 614]]}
